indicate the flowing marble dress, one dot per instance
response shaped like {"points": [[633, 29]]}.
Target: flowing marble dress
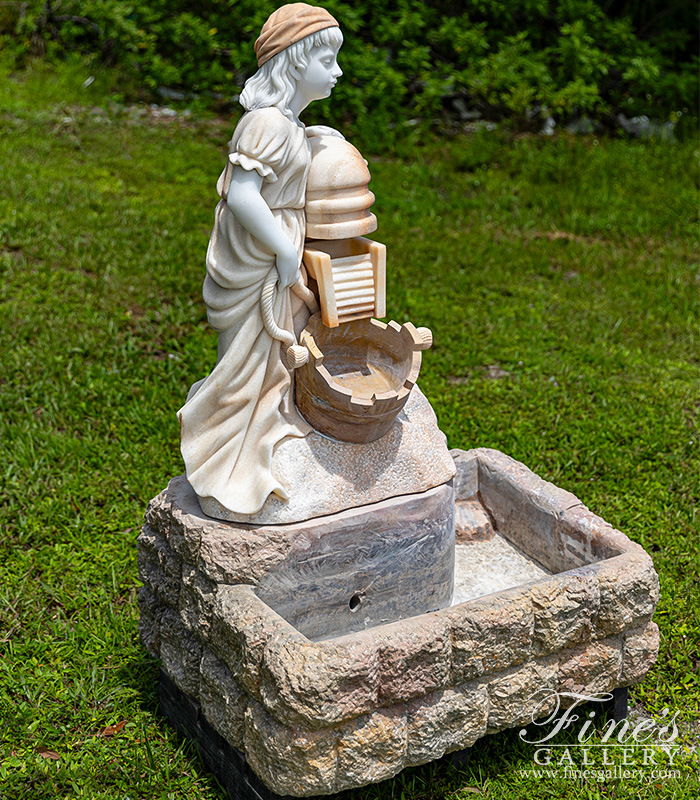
{"points": [[235, 417]]}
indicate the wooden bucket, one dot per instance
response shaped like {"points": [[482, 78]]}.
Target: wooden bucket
{"points": [[358, 376]]}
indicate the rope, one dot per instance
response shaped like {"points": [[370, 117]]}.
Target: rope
{"points": [[304, 293], [296, 355], [266, 300]]}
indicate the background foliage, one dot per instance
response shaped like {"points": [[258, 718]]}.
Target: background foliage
{"points": [[406, 61]]}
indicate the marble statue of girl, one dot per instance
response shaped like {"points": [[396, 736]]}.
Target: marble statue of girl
{"points": [[234, 418]]}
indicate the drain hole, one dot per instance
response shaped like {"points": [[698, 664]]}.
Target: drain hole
{"points": [[355, 602]]}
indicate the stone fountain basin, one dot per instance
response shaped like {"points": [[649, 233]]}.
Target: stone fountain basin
{"points": [[568, 607]]}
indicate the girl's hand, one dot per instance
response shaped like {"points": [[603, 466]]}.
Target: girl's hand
{"points": [[288, 267]]}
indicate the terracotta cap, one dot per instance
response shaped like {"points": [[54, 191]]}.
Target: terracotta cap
{"points": [[290, 24]]}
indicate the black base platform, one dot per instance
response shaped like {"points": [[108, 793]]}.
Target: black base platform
{"points": [[230, 767], [227, 764]]}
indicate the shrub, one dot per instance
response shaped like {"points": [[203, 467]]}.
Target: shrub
{"points": [[404, 60]]}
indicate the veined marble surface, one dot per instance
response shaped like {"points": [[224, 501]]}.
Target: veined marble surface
{"points": [[482, 568]]}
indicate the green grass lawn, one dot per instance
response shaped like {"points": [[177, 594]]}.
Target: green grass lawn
{"points": [[560, 278]]}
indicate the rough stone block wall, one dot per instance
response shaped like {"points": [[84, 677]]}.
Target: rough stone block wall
{"points": [[319, 717]]}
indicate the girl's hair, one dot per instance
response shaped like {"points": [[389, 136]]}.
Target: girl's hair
{"points": [[272, 85]]}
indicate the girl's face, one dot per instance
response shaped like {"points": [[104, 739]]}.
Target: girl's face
{"points": [[317, 79]]}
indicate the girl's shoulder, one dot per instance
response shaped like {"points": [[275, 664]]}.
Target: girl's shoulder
{"points": [[267, 136], [267, 118], [266, 130]]}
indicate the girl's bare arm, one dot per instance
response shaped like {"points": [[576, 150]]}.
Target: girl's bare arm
{"points": [[248, 206]]}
